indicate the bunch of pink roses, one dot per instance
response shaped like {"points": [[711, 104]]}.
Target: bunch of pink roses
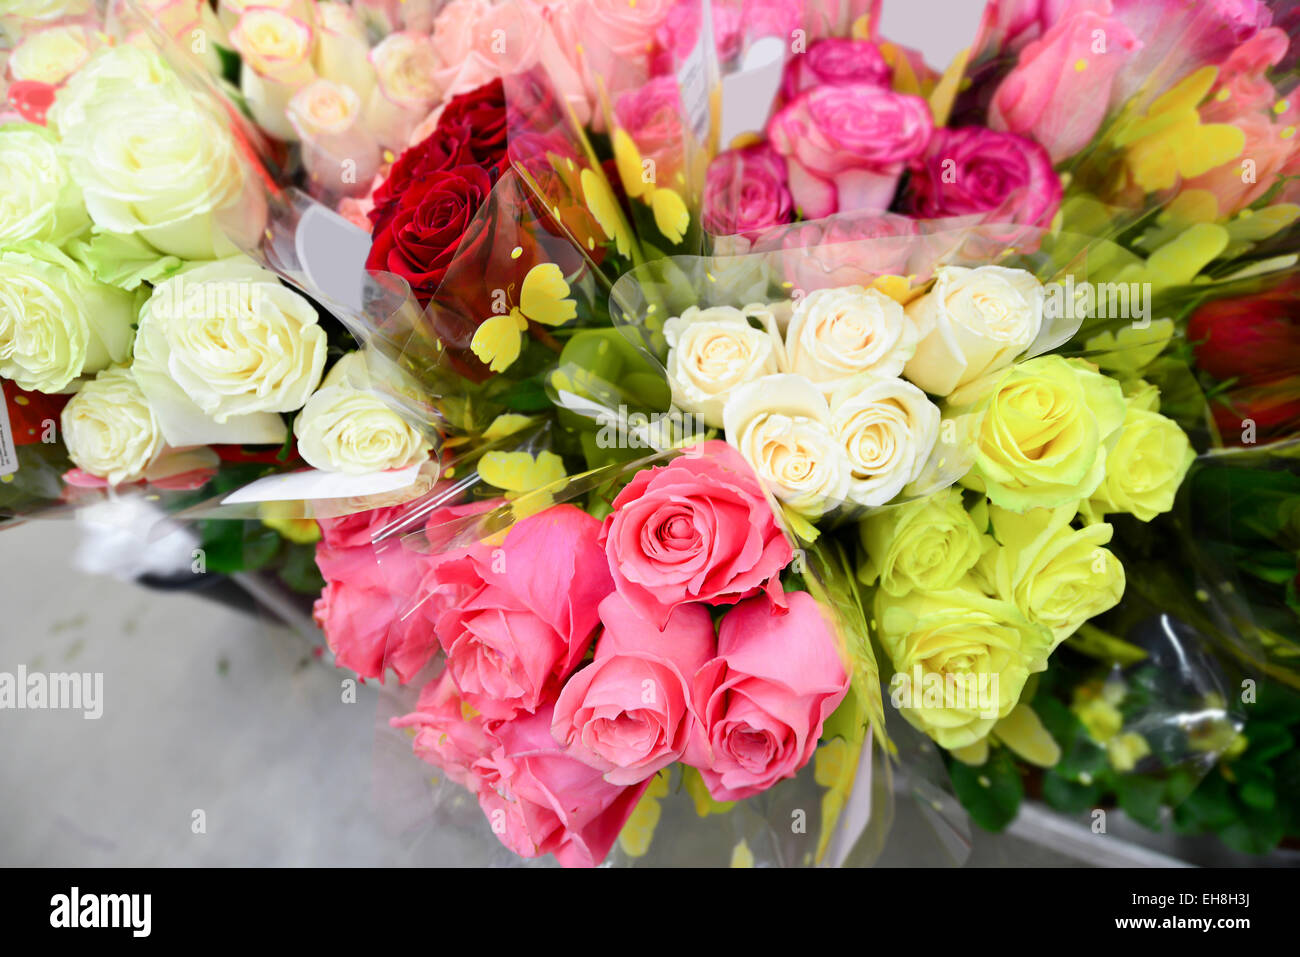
{"points": [[842, 139], [583, 657]]}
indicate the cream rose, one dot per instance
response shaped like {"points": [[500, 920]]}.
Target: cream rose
{"points": [[972, 322], [109, 429], [56, 321], [887, 429], [405, 90], [17, 16], [346, 427], [152, 160], [38, 198], [276, 49], [342, 49], [712, 352], [837, 333], [222, 348], [339, 153], [50, 55], [781, 424]]}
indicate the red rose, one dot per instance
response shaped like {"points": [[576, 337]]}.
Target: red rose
{"points": [[1253, 338], [1273, 408], [481, 111]]}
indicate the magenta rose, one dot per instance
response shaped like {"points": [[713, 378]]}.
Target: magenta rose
{"points": [[652, 115], [629, 712], [762, 702], [539, 800], [847, 145], [835, 61], [851, 249], [1047, 98], [972, 170], [745, 192], [449, 735], [696, 530], [524, 612]]}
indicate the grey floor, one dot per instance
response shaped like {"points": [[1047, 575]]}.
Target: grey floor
{"points": [[215, 710]]}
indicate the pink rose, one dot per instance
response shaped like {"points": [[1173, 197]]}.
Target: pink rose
{"points": [[1009, 24], [696, 530], [680, 31], [835, 61], [652, 116], [745, 192], [1048, 98], [629, 712], [974, 170], [539, 800], [847, 145], [448, 734], [764, 699], [524, 613], [1269, 150], [851, 249]]}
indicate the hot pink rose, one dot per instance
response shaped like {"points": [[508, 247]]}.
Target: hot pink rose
{"points": [[1010, 24], [524, 613], [696, 530], [652, 115], [449, 735], [764, 699], [745, 192], [974, 170], [835, 61], [847, 145], [1048, 98], [539, 800], [629, 712]]}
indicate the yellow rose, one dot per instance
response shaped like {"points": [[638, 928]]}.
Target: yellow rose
{"points": [[928, 544], [222, 348], [345, 427], [109, 429], [1146, 466], [971, 323], [835, 334], [1042, 442], [1055, 575], [56, 322], [960, 659], [711, 353]]}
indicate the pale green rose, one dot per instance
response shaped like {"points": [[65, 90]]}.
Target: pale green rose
{"points": [[109, 430], [1043, 438], [346, 427], [38, 198], [961, 659], [1145, 468], [222, 349], [1054, 574], [154, 160], [56, 322], [928, 544]]}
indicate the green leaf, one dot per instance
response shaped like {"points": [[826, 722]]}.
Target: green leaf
{"points": [[992, 792], [299, 570], [1141, 798], [1069, 797]]}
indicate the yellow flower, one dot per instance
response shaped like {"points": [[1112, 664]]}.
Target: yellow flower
{"points": [[604, 207], [641, 823], [280, 517], [1131, 349], [1125, 750], [671, 215], [517, 473], [543, 298]]}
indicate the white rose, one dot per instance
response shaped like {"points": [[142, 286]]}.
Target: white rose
{"points": [[405, 88], [276, 49], [222, 348], [347, 428], [971, 323], [887, 428], [838, 333], [109, 429], [50, 55], [56, 321], [339, 153], [18, 16], [342, 49], [151, 159], [711, 352], [38, 198], [781, 424]]}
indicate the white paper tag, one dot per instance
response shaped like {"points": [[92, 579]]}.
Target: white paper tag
{"points": [[8, 454], [748, 94], [333, 254], [694, 77], [312, 484]]}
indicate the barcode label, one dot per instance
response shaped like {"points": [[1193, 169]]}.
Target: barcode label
{"points": [[8, 454]]}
